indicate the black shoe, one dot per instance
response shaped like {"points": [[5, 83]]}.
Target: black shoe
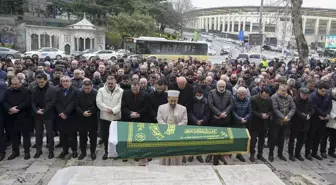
{"points": [[14, 155], [100, 141], [82, 155], [62, 155], [51, 155], [190, 159], [149, 159], [271, 158], [215, 160], [309, 157], [93, 156], [282, 157], [34, 146], [331, 154], [184, 160], [324, 155], [37, 154], [261, 158], [292, 158], [317, 157], [26, 156], [74, 154], [200, 159], [240, 158], [136, 160], [252, 158], [104, 156], [59, 145], [208, 158], [299, 157], [124, 160], [2, 156]]}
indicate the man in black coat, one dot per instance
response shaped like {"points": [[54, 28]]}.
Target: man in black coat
{"points": [[261, 112], [133, 104], [87, 112], [186, 91], [43, 107], [66, 111], [17, 105], [2, 122], [300, 123], [155, 99]]}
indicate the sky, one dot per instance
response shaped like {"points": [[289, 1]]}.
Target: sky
{"points": [[218, 3]]}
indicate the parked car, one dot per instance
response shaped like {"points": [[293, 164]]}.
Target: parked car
{"points": [[42, 53], [211, 52], [267, 48], [9, 53], [79, 54], [225, 51], [103, 55]]}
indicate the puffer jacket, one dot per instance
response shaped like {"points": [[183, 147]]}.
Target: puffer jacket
{"points": [[282, 107], [199, 111], [241, 109], [219, 103], [112, 100], [332, 121]]}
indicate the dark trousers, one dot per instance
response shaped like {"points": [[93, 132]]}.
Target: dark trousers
{"points": [[331, 135], [2, 134], [83, 134], [300, 138], [68, 138], [39, 134], [314, 138], [278, 134], [260, 136], [16, 134], [105, 131]]}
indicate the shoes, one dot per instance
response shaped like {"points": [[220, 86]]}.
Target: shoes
{"points": [[93, 156], [104, 156], [299, 157], [149, 159], [82, 155], [59, 145], [271, 158], [190, 159], [317, 157], [200, 159], [14, 155], [37, 154], [261, 158], [282, 157], [62, 155], [26, 156], [2, 156], [331, 154], [240, 158], [51, 155], [124, 160], [184, 160], [136, 160], [252, 158], [324, 155], [216, 160], [208, 158], [100, 141], [74, 154], [309, 157], [292, 158]]}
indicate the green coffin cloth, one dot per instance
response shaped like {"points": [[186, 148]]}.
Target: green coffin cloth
{"points": [[149, 140]]}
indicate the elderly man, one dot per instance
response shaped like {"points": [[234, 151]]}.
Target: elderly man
{"points": [[283, 111], [260, 83], [66, 111], [241, 111], [87, 111], [109, 103], [77, 80], [172, 113], [300, 123], [144, 86], [17, 105]]}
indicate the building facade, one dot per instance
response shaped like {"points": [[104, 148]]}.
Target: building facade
{"points": [[276, 22]]}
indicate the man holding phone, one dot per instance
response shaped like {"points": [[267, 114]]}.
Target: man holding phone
{"points": [[87, 110]]}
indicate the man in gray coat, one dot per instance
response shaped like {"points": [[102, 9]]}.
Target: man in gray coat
{"points": [[283, 111]]}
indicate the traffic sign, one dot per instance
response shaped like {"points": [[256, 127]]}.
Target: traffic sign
{"points": [[256, 39]]}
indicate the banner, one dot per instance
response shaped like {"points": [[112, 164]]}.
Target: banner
{"points": [[330, 42], [148, 140]]}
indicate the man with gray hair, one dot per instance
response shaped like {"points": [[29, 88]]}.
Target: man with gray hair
{"points": [[242, 112]]}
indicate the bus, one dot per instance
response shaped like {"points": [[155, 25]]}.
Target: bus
{"points": [[170, 49]]}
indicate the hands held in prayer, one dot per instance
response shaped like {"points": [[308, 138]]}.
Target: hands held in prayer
{"points": [[13, 110], [108, 110], [40, 111], [87, 113], [134, 115], [264, 116], [63, 116]]}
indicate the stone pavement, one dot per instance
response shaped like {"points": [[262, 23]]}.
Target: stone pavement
{"points": [[41, 171]]}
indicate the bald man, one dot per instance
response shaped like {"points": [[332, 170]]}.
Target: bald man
{"points": [[186, 91]]}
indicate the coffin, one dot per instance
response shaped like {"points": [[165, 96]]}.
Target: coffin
{"points": [[130, 140]]}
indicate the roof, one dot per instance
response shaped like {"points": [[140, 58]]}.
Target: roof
{"points": [[83, 24], [322, 12]]}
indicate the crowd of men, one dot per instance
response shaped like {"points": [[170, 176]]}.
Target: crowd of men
{"points": [[278, 101]]}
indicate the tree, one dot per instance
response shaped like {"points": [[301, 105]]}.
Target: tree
{"points": [[300, 39], [134, 24], [183, 6]]}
